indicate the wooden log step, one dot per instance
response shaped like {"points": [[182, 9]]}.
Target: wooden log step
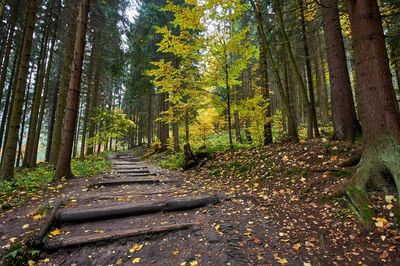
{"points": [[115, 235], [123, 163], [135, 174], [119, 182], [123, 167], [133, 171], [123, 210]]}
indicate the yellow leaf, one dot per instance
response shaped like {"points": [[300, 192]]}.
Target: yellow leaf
{"points": [[31, 263], [297, 246], [119, 262], [37, 217], [136, 260], [175, 252], [194, 263], [25, 226], [380, 222], [136, 247], [389, 198], [217, 226], [259, 257], [55, 232], [282, 261]]}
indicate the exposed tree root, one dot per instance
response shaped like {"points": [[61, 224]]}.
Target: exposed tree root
{"points": [[377, 160], [353, 160]]}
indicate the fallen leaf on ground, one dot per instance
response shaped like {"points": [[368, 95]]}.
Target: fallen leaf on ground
{"points": [[136, 260], [136, 247]]}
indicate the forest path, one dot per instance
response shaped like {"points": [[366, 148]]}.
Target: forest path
{"points": [[187, 230]]}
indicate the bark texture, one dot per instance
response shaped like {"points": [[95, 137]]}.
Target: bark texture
{"points": [[344, 116], [10, 149], [71, 114], [379, 111], [63, 86]]}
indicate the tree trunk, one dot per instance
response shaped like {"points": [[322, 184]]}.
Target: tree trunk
{"points": [[263, 41], [303, 90], [8, 159], [37, 96], [21, 134], [89, 94], [64, 162], [63, 88], [321, 82], [344, 116], [4, 64], [164, 128], [175, 131], [228, 93], [309, 74], [376, 98], [7, 110], [52, 115], [93, 107], [150, 119]]}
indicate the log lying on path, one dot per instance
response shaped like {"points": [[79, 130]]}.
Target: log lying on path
{"points": [[126, 167], [103, 196], [132, 171], [90, 239], [127, 181], [123, 210], [135, 174]]}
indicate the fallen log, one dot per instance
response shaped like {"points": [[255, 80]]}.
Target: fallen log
{"points": [[123, 210], [136, 174], [103, 196], [127, 181], [132, 171], [112, 236]]}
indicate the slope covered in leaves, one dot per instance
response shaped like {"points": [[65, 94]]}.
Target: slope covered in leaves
{"points": [[287, 209]]}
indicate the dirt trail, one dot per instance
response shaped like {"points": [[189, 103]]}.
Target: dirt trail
{"points": [[211, 237]]}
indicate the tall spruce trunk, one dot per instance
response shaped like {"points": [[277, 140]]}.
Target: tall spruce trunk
{"points": [[164, 127], [10, 149], [21, 133], [6, 109], [321, 81], [293, 135], [37, 96], [309, 75], [63, 86], [150, 118], [297, 73], [89, 99], [344, 116], [93, 107], [228, 93], [64, 162], [6, 58], [377, 104]]}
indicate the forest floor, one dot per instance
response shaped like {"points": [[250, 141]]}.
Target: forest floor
{"points": [[274, 210]]}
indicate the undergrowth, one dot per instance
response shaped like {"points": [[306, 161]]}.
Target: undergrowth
{"points": [[32, 183]]}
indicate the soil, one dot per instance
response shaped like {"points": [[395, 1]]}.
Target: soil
{"points": [[274, 210]]}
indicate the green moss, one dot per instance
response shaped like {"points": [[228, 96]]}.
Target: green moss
{"points": [[358, 201], [342, 174]]}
